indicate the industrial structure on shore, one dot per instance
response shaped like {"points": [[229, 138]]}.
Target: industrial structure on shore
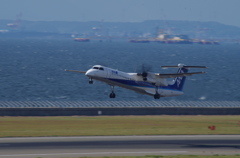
{"points": [[174, 39]]}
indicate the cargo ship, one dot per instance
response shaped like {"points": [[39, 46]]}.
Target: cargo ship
{"points": [[82, 39], [173, 39], [205, 42]]}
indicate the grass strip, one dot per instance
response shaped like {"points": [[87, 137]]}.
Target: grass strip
{"points": [[117, 125]]}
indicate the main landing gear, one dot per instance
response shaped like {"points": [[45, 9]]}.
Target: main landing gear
{"points": [[112, 94], [156, 95]]}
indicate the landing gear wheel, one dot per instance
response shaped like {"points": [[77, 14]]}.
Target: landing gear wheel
{"points": [[156, 96], [112, 95], [90, 81]]}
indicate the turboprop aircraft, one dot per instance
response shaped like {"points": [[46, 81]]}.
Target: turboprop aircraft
{"points": [[153, 84]]}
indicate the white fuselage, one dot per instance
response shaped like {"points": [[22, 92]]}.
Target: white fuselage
{"points": [[132, 81]]}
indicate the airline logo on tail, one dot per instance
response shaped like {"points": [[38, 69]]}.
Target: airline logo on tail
{"points": [[183, 72], [179, 81]]}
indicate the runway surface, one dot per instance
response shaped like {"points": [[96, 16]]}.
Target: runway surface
{"points": [[57, 147]]}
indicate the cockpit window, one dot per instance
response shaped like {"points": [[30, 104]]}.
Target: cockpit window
{"points": [[98, 68]]}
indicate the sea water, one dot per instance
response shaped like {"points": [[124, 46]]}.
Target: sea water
{"points": [[33, 69]]}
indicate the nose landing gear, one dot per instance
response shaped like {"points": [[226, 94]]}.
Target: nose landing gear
{"points": [[90, 81]]}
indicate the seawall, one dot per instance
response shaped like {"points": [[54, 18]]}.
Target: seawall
{"points": [[95, 108], [116, 111]]}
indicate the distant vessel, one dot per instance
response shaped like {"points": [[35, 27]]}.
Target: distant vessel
{"points": [[204, 42], [165, 39], [82, 39], [172, 39], [139, 41]]}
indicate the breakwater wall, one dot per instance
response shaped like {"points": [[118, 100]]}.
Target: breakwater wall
{"points": [[116, 111], [107, 108]]}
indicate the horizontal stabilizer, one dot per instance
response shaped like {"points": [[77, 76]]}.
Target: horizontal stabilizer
{"points": [[173, 75], [76, 71], [182, 66]]}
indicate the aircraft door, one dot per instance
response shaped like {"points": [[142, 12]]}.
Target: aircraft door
{"points": [[107, 73]]}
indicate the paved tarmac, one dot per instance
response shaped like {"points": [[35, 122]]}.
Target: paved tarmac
{"points": [[58, 147]]}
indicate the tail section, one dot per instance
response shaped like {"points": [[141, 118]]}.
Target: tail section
{"points": [[181, 74], [178, 82]]}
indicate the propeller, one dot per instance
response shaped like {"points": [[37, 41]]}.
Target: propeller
{"points": [[143, 71]]}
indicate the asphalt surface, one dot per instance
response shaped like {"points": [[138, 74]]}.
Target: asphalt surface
{"points": [[58, 147]]}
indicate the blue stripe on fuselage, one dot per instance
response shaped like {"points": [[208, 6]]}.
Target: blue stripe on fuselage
{"points": [[140, 84]]}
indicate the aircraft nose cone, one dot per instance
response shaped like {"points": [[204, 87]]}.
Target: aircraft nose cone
{"points": [[90, 73]]}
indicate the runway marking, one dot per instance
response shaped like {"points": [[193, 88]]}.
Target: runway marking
{"points": [[94, 153]]}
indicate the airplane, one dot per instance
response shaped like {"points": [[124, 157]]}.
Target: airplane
{"points": [[153, 84]]}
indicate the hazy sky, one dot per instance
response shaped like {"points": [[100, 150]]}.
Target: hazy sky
{"points": [[223, 11]]}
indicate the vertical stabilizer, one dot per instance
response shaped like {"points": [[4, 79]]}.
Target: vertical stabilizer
{"points": [[178, 82]]}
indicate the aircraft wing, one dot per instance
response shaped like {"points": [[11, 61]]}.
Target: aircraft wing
{"points": [[173, 75], [76, 71]]}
